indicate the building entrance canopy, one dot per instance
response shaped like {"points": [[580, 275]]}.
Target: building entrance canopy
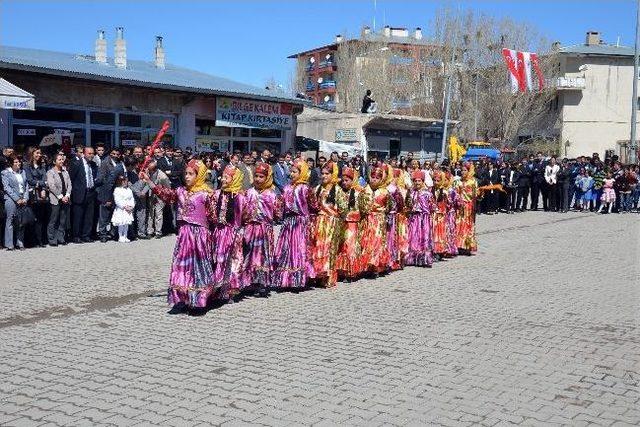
{"points": [[14, 98]]}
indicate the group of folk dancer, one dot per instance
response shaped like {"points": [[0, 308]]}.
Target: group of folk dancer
{"points": [[338, 230]]}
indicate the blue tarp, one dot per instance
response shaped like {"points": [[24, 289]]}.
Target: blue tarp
{"points": [[478, 153]]}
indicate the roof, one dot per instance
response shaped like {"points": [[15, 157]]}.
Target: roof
{"points": [[599, 49], [9, 89], [137, 73], [371, 38]]}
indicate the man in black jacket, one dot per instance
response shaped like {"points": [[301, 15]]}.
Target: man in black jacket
{"points": [[109, 171], [491, 177], [510, 184], [537, 183], [524, 183], [84, 175]]}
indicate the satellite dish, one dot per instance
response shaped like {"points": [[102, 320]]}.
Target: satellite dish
{"points": [[328, 56], [319, 79], [312, 59], [327, 98]]}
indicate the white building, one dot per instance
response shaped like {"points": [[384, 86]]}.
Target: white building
{"points": [[594, 98]]}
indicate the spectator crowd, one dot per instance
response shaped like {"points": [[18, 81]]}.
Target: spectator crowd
{"points": [[95, 193]]}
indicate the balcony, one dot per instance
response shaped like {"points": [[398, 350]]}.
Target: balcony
{"points": [[310, 87], [328, 84], [329, 105], [400, 104], [569, 83], [400, 60], [327, 63], [310, 66]]}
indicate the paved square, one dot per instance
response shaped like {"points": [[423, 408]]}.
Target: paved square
{"points": [[541, 327]]}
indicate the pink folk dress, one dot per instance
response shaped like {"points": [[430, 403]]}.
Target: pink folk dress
{"points": [[292, 263], [226, 214], [421, 206], [261, 210], [191, 280]]}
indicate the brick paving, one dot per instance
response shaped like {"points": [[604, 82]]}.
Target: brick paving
{"points": [[541, 328]]}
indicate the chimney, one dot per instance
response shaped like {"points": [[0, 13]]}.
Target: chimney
{"points": [[387, 31], [101, 48], [159, 53], [418, 34], [593, 38], [120, 51], [339, 38], [366, 30]]}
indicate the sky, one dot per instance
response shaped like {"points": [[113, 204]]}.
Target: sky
{"points": [[249, 41]]}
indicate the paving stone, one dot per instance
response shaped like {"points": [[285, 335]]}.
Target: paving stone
{"points": [[524, 332]]}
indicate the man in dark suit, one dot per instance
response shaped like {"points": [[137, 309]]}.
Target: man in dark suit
{"points": [[537, 182], [524, 183], [109, 171], [281, 174], [491, 177], [83, 173]]}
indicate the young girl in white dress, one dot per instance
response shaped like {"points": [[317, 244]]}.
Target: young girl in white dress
{"points": [[124, 204]]}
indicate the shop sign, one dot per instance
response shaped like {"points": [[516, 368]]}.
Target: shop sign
{"points": [[27, 132], [129, 142], [208, 143], [235, 112], [343, 135]]}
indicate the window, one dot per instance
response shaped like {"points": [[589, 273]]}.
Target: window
{"points": [[51, 114], [155, 122], [48, 138], [266, 133], [130, 120], [241, 132], [98, 118]]}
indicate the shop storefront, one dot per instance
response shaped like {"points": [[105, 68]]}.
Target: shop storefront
{"points": [[82, 102], [68, 126]]}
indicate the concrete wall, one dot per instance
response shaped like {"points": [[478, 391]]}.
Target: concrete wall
{"points": [[318, 124], [596, 118]]}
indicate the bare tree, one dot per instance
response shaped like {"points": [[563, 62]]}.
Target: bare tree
{"points": [[479, 65]]}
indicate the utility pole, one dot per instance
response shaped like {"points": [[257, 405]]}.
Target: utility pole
{"points": [[475, 113], [448, 98], [633, 158]]}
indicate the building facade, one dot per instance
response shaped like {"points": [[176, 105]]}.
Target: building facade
{"points": [[380, 135], [398, 66], [89, 99], [594, 98]]}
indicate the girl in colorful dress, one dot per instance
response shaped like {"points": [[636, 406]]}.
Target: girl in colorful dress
{"points": [[396, 201], [440, 214], [124, 203], [226, 209], [608, 197], [292, 265], [450, 218], [350, 262], [401, 218], [421, 205], [375, 251], [326, 229], [466, 217], [191, 280], [263, 208]]}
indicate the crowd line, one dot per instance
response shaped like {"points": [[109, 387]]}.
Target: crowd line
{"points": [[341, 218]]}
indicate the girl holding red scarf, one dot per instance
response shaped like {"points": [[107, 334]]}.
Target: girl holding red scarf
{"points": [[350, 263]]}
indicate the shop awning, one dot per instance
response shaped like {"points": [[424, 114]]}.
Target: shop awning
{"points": [[14, 98]]}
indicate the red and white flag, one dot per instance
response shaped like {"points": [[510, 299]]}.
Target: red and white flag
{"points": [[520, 66]]}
